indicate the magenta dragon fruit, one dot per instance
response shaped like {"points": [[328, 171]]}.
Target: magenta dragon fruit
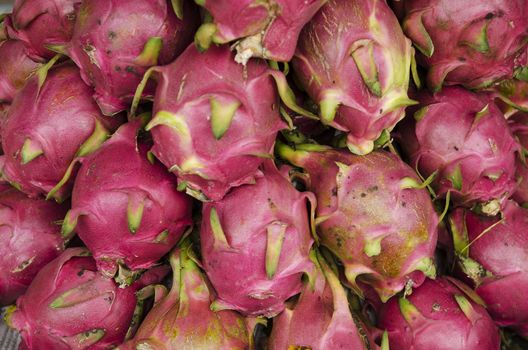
{"points": [[255, 244], [465, 139], [493, 253], [214, 133], [466, 42], [182, 318], [126, 210], [69, 305], [41, 24], [16, 68], [114, 43], [354, 62], [321, 318], [29, 239], [519, 126], [439, 315], [49, 124], [373, 214], [267, 29]]}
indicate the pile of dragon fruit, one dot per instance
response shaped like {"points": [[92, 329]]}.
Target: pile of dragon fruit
{"points": [[265, 174]]}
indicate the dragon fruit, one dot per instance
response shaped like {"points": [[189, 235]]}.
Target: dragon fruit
{"points": [[49, 124], [512, 96], [114, 44], [266, 29], [354, 62], [439, 315], [185, 312], [69, 305], [465, 139], [321, 318], [466, 42], [126, 210], [42, 23], [29, 239], [493, 253], [255, 244], [214, 133], [519, 126], [373, 214], [16, 68]]}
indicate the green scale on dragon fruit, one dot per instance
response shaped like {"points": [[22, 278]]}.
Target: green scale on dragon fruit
{"points": [[29, 239], [69, 305], [256, 242], [126, 209], [41, 24], [373, 213], [442, 314], [52, 121], [493, 254], [464, 42], [464, 139], [267, 29], [215, 121], [114, 43], [182, 318], [354, 62]]}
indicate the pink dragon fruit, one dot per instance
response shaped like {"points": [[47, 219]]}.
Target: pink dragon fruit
{"points": [[354, 62], [49, 124], [373, 214], [16, 68], [114, 43], [69, 305], [519, 126], [126, 210], [465, 139], [29, 239], [493, 253], [255, 244], [185, 312], [267, 29], [214, 133], [439, 315], [42, 23], [466, 42], [321, 318]]}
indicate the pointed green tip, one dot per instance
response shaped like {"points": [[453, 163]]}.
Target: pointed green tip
{"points": [[30, 150], [135, 209], [221, 116], [362, 148], [68, 225], [216, 226], [275, 237], [151, 50], [385, 341], [409, 311], [204, 36], [177, 6]]}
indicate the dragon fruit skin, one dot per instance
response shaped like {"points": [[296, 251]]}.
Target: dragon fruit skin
{"points": [[438, 315], [354, 62], [126, 210], [47, 128], [321, 318], [519, 126], [69, 305], [113, 57], [255, 244], [42, 23], [496, 262], [372, 215], [29, 239], [465, 137], [185, 311], [265, 29], [466, 43], [215, 132], [16, 68]]}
